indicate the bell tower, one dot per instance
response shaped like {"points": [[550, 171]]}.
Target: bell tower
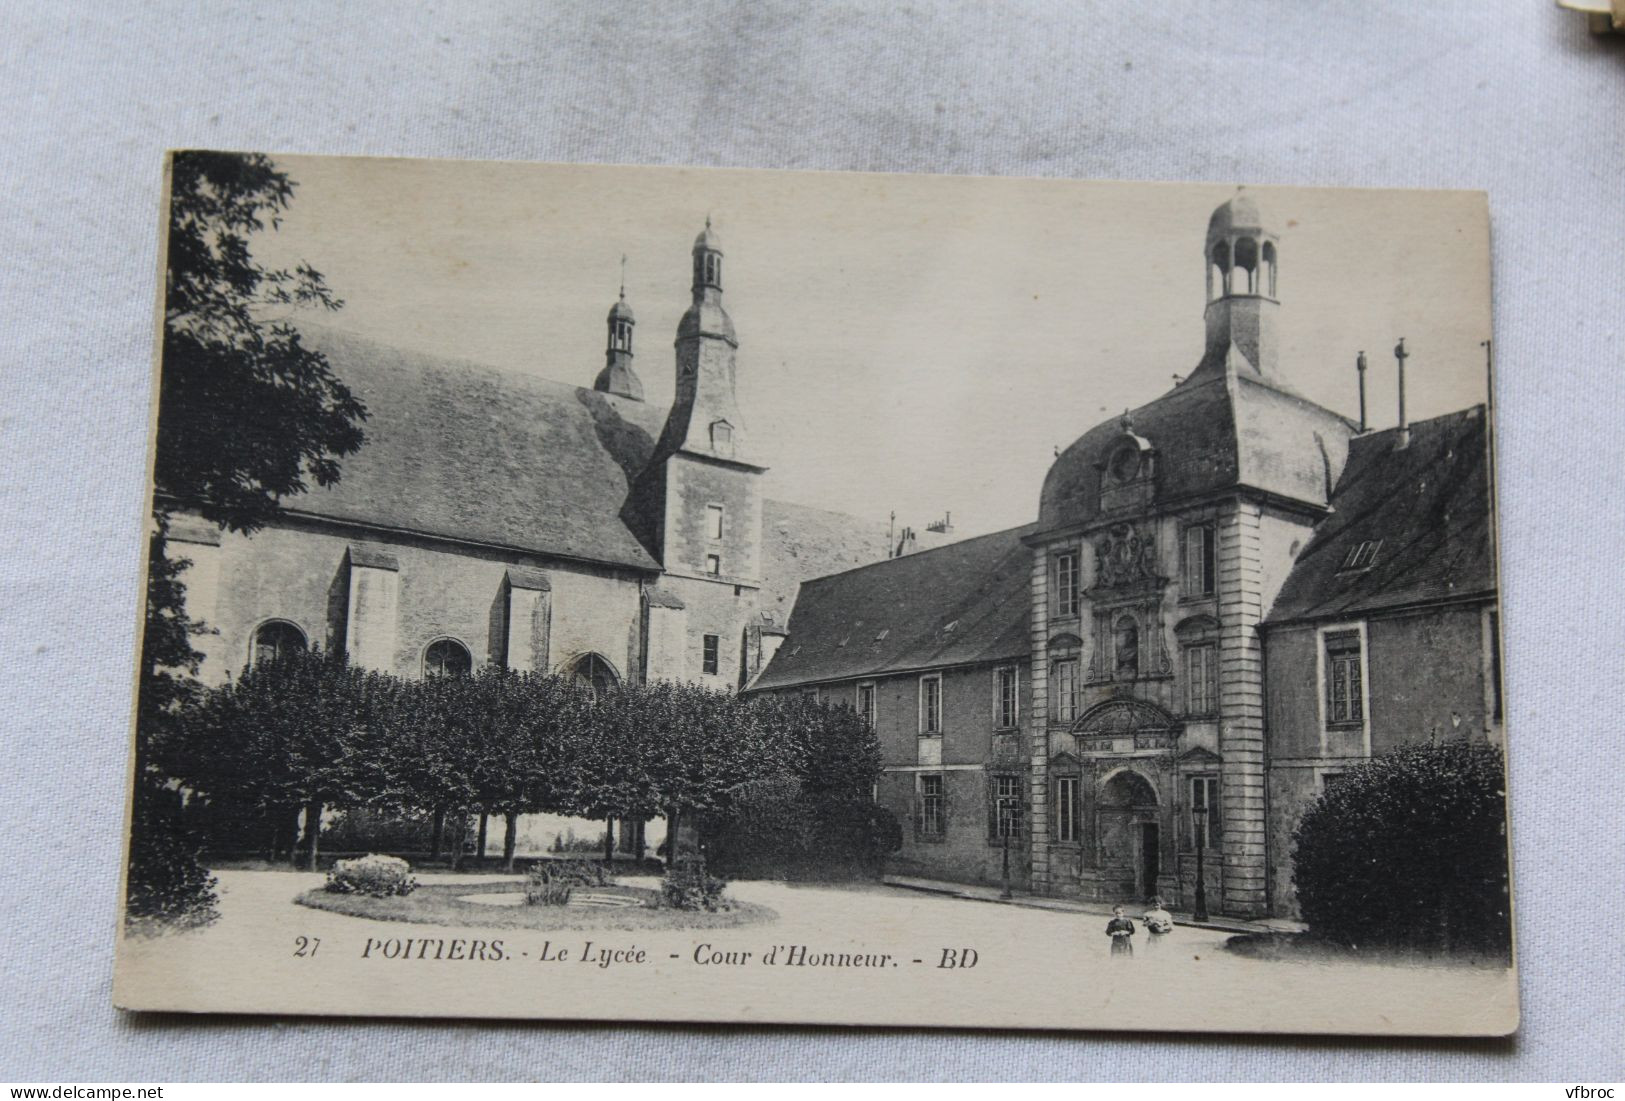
{"points": [[699, 501], [705, 414], [618, 377], [1242, 255]]}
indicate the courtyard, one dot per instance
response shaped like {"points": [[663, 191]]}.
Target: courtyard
{"points": [[961, 961]]}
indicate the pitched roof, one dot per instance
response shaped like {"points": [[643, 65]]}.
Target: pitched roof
{"points": [[1222, 428], [1427, 510], [960, 604], [470, 453]]}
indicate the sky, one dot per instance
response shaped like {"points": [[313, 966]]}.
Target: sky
{"points": [[907, 343]]}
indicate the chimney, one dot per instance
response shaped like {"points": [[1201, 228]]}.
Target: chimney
{"points": [[1359, 365], [1400, 354]]}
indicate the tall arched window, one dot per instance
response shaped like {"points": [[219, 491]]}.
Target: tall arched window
{"points": [[447, 657], [594, 674], [275, 640], [1126, 645]]}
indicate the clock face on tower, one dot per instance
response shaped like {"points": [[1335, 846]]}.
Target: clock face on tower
{"points": [[1125, 463]]}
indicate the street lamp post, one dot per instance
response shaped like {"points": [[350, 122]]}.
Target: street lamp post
{"points": [[1200, 912], [1007, 826]]}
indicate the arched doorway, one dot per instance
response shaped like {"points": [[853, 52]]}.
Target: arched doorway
{"points": [[1130, 834]]}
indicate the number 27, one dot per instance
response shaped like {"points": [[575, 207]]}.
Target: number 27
{"points": [[306, 946]]}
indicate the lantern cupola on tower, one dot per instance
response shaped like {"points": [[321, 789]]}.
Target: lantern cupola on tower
{"points": [[1242, 255], [617, 377]]}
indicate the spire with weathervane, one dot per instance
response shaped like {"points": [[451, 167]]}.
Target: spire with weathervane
{"points": [[618, 377], [705, 413]]}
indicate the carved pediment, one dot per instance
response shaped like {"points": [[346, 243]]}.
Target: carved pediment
{"points": [[1126, 557], [1126, 715]]}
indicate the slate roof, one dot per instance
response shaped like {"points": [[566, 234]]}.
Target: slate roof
{"points": [[1430, 507], [964, 603], [1224, 427], [466, 452], [470, 453]]}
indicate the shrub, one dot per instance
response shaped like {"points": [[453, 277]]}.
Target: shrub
{"points": [[374, 875], [1409, 851], [367, 829], [777, 830], [167, 887], [687, 886], [550, 882]]}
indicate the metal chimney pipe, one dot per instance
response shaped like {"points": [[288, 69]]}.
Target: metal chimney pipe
{"points": [[1400, 354], [1359, 365]]}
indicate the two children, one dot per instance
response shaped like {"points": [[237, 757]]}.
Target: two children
{"points": [[1158, 924]]}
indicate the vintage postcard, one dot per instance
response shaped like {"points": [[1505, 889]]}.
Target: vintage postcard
{"points": [[660, 594]]}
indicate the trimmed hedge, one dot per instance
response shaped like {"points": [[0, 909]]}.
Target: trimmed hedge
{"points": [[1409, 851]]}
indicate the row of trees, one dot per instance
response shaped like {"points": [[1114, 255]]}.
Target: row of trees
{"points": [[311, 732]]}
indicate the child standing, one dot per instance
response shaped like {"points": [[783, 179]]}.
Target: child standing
{"points": [[1158, 924], [1121, 930]]}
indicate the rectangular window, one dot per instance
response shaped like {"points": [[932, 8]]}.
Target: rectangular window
{"points": [[1198, 567], [713, 521], [1009, 702], [709, 662], [932, 806], [1066, 584], [1066, 689], [866, 703], [1343, 687], [1006, 807], [1066, 808], [713, 565], [1201, 679], [931, 705], [1206, 813]]}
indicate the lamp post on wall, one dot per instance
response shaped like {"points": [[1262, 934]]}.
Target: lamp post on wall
{"points": [[1200, 811]]}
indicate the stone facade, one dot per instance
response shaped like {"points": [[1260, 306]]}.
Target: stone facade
{"points": [[498, 520], [1188, 561]]}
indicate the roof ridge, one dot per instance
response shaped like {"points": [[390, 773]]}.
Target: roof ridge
{"points": [[916, 555], [441, 359], [1471, 412]]}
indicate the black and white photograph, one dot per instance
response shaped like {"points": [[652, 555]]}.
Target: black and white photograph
{"points": [[616, 593]]}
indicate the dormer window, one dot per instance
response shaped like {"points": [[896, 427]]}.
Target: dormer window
{"points": [[722, 437], [1362, 556]]}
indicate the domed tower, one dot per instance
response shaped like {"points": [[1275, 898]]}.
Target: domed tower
{"points": [[1242, 254], [618, 377]]}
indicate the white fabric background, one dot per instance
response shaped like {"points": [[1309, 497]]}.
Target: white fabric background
{"points": [[1513, 98]]}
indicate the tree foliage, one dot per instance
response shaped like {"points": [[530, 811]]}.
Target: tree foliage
{"points": [[1410, 851], [310, 730], [247, 413]]}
